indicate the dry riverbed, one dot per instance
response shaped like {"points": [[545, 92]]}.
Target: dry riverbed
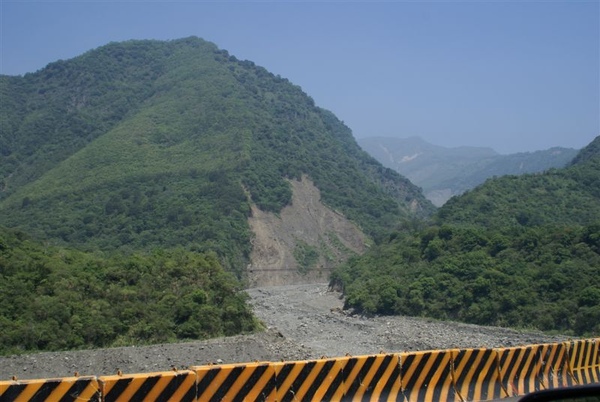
{"points": [[302, 321]]}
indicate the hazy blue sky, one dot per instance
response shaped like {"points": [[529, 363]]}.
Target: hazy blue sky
{"points": [[515, 76]]}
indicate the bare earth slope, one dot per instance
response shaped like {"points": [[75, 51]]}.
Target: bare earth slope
{"points": [[304, 321], [305, 224]]}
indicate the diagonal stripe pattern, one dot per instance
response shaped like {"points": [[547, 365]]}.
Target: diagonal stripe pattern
{"points": [[519, 369], [165, 386], [585, 360], [476, 375], [60, 389], [427, 376], [555, 366], [314, 380], [374, 377], [241, 382]]}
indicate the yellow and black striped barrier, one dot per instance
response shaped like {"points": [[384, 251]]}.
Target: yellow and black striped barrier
{"points": [[519, 370], [313, 380], [167, 386], [475, 375], [372, 377], [236, 382], [442, 375], [427, 376], [585, 360], [555, 366], [56, 389]]}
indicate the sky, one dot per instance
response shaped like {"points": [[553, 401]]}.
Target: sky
{"points": [[516, 76]]}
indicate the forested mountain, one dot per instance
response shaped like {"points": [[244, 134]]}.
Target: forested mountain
{"points": [[516, 251], [138, 168], [142, 144], [444, 172]]}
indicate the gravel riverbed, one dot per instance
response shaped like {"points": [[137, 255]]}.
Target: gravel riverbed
{"points": [[302, 321]]}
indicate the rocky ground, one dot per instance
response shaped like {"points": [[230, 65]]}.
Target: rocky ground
{"points": [[302, 321]]}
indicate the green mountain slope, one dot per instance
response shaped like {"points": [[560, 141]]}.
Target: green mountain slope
{"points": [[50, 114], [444, 172], [145, 143], [516, 251]]}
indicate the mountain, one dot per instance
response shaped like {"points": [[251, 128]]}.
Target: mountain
{"points": [[568, 196], [519, 251], [445, 172], [146, 144]]}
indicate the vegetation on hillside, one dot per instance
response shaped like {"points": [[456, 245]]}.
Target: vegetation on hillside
{"points": [[516, 251], [55, 298], [143, 158], [51, 114], [545, 278], [569, 196], [167, 143]]}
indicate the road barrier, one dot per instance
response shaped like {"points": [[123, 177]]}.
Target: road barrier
{"points": [[170, 385], [56, 389], [476, 377], [555, 366], [520, 370], [427, 376], [236, 382], [308, 380], [374, 377], [585, 360], [441, 375]]}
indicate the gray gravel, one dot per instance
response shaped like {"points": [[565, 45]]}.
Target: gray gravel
{"points": [[313, 317], [302, 321]]}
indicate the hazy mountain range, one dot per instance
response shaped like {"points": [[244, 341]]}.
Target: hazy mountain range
{"points": [[445, 172]]}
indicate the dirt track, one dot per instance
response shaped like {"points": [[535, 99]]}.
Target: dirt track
{"points": [[303, 321]]}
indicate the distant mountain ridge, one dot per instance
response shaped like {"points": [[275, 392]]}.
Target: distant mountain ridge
{"points": [[145, 144], [567, 196], [445, 172]]}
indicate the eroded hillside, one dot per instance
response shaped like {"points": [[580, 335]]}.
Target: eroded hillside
{"points": [[303, 242]]}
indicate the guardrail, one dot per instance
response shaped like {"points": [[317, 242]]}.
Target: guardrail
{"points": [[439, 375]]}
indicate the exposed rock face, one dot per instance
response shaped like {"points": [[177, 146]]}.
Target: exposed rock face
{"points": [[303, 243]]}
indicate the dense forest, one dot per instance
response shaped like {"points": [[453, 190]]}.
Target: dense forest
{"points": [[54, 298], [516, 251], [148, 144]]}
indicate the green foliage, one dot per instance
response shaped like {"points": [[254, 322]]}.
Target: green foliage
{"points": [[142, 144], [590, 153], [546, 278], [516, 251], [56, 298], [290, 136], [51, 114], [306, 256]]}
